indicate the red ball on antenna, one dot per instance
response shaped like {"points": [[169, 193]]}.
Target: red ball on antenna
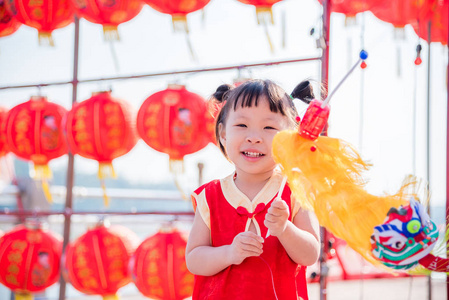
{"points": [[363, 65], [418, 61]]}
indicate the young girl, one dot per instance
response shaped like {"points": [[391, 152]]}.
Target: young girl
{"points": [[247, 241]]}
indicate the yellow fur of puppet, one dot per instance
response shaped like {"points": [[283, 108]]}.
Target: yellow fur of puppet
{"points": [[325, 176]]}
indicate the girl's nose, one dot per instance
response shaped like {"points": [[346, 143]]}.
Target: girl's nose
{"points": [[253, 139]]}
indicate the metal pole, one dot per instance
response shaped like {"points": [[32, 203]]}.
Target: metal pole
{"points": [[325, 80], [447, 155], [362, 87], [415, 83], [70, 167], [429, 278], [168, 73]]}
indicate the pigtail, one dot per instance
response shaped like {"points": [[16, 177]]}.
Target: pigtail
{"points": [[304, 92], [218, 99], [216, 103], [221, 92]]}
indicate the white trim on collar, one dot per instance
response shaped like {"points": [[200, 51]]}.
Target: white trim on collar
{"points": [[236, 198]]}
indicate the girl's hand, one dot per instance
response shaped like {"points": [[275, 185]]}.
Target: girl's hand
{"points": [[245, 244], [277, 217]]}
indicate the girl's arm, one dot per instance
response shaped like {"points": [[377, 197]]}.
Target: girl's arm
{"points": [[203, 259], [300, 238]]}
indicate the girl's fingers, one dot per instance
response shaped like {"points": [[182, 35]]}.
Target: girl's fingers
{"points": [[279, 203], [251, 235], [270, 218], [252, 250], [276, 213], [278, 207], [269, 222], [251, 241], [277, 216], [248, 247]]}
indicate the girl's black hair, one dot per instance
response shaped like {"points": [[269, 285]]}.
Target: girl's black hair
{"points": [[303, 91], [248, 94]]}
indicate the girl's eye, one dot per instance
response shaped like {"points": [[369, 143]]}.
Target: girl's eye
{"points": [[240, 125], [269, 127]]}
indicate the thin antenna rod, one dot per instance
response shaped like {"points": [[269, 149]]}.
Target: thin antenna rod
{"points": [[326, 101]]}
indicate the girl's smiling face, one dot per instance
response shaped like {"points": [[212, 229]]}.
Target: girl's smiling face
{"points": [[247, 137]]}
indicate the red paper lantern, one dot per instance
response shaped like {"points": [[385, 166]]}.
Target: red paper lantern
{"points": [[29, 260], [34, 132], [264, 14], [350, 8], [174, 121], [44, 15], [159, 268], [96, 263], [437, 14], [263, 9], [399, 12], [178, 9], [101, 128], [3, 144], [8, 24], [109, 13]]}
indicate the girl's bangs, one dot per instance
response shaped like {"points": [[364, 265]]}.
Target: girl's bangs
{"points": [[249, 94]]}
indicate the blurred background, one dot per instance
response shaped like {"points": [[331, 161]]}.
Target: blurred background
{"points": [[381, 110]]}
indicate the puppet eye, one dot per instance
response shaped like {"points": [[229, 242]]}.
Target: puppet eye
{"points": [[398, 245], [413, 226], [396, 242]]}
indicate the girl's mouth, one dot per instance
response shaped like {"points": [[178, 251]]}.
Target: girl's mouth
{"points": [[252, 154]]}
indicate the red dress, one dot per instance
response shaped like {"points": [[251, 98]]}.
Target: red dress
{"points": [[227, 212]]}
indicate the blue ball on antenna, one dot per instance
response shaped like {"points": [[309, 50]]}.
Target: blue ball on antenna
{"points": [[363, 54]]}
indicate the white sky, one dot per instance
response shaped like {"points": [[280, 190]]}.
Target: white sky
{"points": [[228, 34]]}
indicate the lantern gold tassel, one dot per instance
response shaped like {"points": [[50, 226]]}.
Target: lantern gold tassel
{"points": [[43, 173], [178, 186], [111, 297], [350, 21], [110, 33], [189, 44], [105, 195], [105, 170], [269, 38], [264, 17], [399, 34], [203, 17], [284, 29], [180, 23], [45, 38], [27, 296], [177, 168]]}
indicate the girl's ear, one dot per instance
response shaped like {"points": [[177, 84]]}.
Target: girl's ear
{"points": [[222, 133]]}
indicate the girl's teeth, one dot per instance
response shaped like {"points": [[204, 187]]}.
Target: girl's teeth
{"points": [[253, 154]]}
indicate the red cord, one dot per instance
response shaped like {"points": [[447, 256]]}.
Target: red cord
{"points": [[272, 278]]}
